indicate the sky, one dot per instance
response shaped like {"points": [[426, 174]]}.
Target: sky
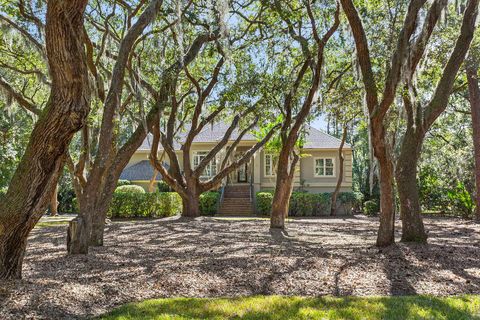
{"points": [[319, 123]]}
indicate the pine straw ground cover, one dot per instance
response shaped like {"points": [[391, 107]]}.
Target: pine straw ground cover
{"points": [[210, 257]]}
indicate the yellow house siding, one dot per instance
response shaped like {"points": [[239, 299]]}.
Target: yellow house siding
{"points": [[304, 175], [311, 181]]}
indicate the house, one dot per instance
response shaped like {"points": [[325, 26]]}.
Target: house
{"points": [[316, 172]]}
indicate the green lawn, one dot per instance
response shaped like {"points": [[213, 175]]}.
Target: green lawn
{"points": [[277, 307], [44, 224]]}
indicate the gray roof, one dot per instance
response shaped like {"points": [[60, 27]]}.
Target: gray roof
{"points": [[315, 139], [142, 170]]}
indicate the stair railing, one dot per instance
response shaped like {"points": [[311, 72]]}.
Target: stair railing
{"points": [[251, 191], [222, 193]]}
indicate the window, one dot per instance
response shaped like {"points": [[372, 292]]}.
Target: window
{"points": [[324, 167], [210, 168], [270, 165]]}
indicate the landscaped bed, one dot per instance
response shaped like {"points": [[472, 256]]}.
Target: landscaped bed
{"points": [[211, 257]]}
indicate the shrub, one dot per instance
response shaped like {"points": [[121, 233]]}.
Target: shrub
{"points": [[264, 202], [304, 204], [371, 207], [66, 200], [209, 202], [350, 200], [123, 182], [354, 198], [461, 201], [309, 204], [131, 204], [168, 204], [129, 189], [162, 186]]}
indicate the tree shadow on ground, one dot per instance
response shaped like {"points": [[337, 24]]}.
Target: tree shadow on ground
{"points": [[209, 257]]}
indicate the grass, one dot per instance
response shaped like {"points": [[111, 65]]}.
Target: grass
{"points": [[45, 224], [278, 307]]}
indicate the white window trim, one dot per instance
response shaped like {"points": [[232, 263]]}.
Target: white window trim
{"points": [[271, 165], [324, 171], [194, 153]]}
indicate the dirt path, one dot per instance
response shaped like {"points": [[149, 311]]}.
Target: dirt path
{"points": [[210, 257]]}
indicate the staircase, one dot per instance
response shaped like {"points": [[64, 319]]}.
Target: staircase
{"points": [[236, 200]]}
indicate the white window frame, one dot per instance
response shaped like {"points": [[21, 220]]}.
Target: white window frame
{"points": [[324, 167], [272, 166], [208, 168]]}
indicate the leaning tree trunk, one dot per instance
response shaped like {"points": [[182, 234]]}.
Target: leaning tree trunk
{"points": [[280, 204], [152, 184], [65, 113], [106, 142], [413, 229], [283, 190], [474, 95], [54, 202], [104, 195]]}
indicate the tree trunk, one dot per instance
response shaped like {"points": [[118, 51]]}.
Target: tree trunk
{"points": [[78, 235], [191, 205], [280, 204], [67, 108], [371, 158], [413, 229], [474, 96], [78, 232], [335, 193], [152, 184], [386, 230], [98, 227], [54, 202], [283, 190], [99, 215]]}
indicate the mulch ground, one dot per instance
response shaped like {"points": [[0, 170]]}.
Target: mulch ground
{"points": [[212, 258]]}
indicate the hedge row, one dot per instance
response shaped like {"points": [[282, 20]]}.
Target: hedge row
{"points": [[130, 205], [304, 204], [158, 204]]}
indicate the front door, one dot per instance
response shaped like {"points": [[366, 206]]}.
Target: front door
{"points": [[242, 173]]}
